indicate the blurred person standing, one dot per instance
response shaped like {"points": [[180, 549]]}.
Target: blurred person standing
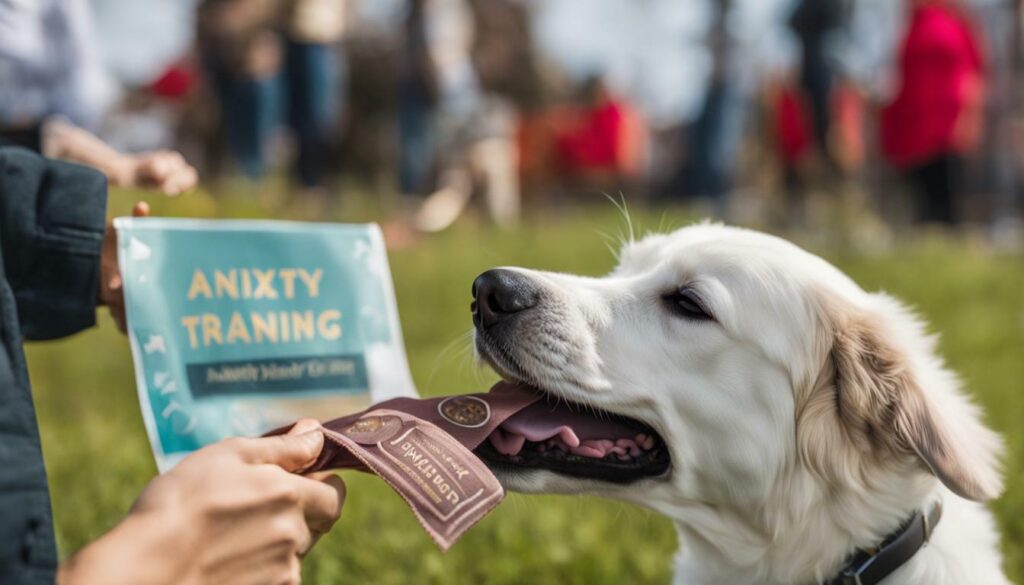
{"points": [[602, 145], [715, 135], [50, 66], [993, 182], [241, 56], [418, 95], [53, 87], [482, 158], [476, 148], [815, 23], [313, 30], [937, 115], [274, 59], [793, 144]]}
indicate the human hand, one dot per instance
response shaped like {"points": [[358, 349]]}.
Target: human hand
{"points": [[111, 291], [233, 513], [161, 170]]}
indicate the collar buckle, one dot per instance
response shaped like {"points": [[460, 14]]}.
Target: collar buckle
{"points": [[930, 519]]}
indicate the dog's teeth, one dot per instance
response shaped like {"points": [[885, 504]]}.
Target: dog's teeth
{"points": [[646, 441], [587, 450], [630, 445]]}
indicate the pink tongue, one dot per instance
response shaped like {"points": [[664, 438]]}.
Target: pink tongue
{"points": [[506, 443], [560, 427], [537, 430], [542, 421]]}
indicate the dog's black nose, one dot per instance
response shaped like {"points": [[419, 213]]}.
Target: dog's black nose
{"points": [[499, 294]]}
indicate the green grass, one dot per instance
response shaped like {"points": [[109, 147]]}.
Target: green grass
{"points": [[98, 456]]}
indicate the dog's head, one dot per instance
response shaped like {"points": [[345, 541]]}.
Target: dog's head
{"points": [[734, 365]]}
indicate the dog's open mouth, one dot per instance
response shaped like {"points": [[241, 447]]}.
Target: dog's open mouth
{"points": [[577, 441]]}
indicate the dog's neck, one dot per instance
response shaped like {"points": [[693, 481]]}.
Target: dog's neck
{"points": [[798, 535]]}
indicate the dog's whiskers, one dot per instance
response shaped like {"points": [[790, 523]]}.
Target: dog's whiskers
{"points": [[458, 344]]}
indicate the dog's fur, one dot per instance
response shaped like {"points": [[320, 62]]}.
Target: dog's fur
{"points": [[808, 419]]}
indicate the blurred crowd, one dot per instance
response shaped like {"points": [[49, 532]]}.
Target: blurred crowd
{"points": [[771, 112]]}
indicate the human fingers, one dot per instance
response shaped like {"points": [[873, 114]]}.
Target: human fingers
{"points": [[152, 168], [185, 179], [118, 313], [321, 502], [293, 453], [113, 293], [166, 170], [304, 425], [178, 177], [114, 281]]}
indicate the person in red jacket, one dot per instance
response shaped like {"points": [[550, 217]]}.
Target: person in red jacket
{"points": [[936, 117], [603, 141]]}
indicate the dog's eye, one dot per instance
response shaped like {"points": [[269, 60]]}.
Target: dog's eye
{"points": [[686, 303]]}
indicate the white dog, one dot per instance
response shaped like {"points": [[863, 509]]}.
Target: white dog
{"points": [[791, 424]]}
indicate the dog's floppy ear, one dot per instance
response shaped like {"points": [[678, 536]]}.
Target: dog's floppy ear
{"points": [[885, 409]]}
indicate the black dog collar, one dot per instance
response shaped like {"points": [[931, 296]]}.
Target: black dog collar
{"points": [[869, 567]]}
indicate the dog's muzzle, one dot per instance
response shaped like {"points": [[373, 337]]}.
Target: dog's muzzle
{"points": [[555, 435]]}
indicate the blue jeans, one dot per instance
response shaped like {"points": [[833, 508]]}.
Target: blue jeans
{"points": [[252, 109], [249, 110], [416, 145], [714, 143], [311, 84]]}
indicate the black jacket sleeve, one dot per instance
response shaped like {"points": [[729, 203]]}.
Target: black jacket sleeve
{"points": [[30, 137], [52, 220]]}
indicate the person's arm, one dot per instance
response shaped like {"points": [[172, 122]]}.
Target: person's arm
{"points": [[59, 253], [52, 222], [160, 170], [232, 513]]}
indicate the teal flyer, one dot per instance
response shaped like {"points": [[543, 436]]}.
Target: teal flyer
{"points": [[238, 327]]}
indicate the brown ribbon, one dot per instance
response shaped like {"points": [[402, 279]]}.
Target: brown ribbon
{"points": [[423, 449]]}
